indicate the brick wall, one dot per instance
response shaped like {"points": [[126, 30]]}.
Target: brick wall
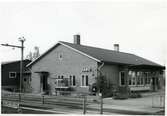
{"points": [[70, 63]]}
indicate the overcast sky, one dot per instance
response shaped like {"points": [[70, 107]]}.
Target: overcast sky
{"points": [[139, 27]]}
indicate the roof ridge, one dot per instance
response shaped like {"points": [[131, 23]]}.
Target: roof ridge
{"points": [[98, 48]]}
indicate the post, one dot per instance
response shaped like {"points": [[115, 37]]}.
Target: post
{"points": [[21, 63], [19, 97], [42, 99], [84, 104], [152, 101], [101, 103]]}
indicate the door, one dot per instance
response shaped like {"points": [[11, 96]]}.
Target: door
{"points": [[43, 82], [26, 83], [155, 83]]}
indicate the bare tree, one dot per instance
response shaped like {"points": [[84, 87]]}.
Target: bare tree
{"points": [[33, 55]]}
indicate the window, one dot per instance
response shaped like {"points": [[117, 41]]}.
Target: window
{"points": [[60, 56], [61, 81], [122, 78], [12, 74], [72, 80], [84, 81], [25, 79], [130, 77], [146, 78], [62, 77], [130, 81]]}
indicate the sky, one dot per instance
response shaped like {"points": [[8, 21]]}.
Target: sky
{"points": [[139, 27]]}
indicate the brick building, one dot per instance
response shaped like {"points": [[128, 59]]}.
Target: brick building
{"points": [[72, 65]]}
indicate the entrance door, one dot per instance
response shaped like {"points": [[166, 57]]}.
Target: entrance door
{"points": [[26, 83], [43, 82]]}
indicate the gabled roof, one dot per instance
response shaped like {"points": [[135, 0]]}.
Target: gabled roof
{"points": [[104, 55]]}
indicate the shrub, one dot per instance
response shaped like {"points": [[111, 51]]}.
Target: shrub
{"points": [[135, 95]]}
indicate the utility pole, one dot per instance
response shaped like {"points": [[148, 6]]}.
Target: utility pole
{"points": [[21, 39]]}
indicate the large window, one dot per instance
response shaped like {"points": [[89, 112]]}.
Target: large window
{"points": [[84, 80], [122, 78], [12, 74], [61, 81], [139, 78]]}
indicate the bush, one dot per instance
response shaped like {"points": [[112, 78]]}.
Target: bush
{"points": [[135, 95], [121, 96]]}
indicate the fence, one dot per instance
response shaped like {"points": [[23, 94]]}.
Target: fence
{"points": [[79, 101], [158, 100]]}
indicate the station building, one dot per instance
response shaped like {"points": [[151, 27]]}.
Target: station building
{"points": [[73, 65]]}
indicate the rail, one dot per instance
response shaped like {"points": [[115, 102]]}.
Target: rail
{"points": [[79, 101]]}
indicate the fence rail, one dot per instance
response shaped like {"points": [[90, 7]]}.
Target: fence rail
{"points": [[80, 101], [158, 100]]}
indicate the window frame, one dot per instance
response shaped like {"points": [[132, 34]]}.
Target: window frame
{"points": [[11, 77], [120, 79], [72, 80], [84, 80]]}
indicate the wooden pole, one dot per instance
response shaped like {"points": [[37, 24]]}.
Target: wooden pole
{"points": [[101, 103], [43, 99], [84, 104]]}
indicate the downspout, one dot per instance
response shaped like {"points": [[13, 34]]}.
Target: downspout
{"points": [[99, 68], [100, 94]]}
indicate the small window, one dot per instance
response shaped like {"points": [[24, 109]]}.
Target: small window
{"points": [[60, 56], [58, 77], [25, 79], [72, 80], [12, 74], [62, 77], [84, 80], [130, 81], [122, 78]]}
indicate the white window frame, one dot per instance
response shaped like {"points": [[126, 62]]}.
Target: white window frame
{"points": [[84, 79], [11, 76], [120, 78], [71, 80]]}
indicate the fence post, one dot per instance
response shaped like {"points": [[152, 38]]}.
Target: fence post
{"points": [[84, 104], [42, 99], [19, 97], [101, 103], [160, 100], [152, 101]]}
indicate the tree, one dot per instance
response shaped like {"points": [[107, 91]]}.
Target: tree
{"points": [[29, 56], [33, 55], [36, 52], [101, 83]]}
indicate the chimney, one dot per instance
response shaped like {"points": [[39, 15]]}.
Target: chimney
{"points": [[77, 39], [116, 47]]}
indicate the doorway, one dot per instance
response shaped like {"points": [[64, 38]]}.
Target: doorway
{"points": [[155, 83], [43, 81]]}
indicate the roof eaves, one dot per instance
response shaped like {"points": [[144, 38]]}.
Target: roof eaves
{"points": [[80, 52]]}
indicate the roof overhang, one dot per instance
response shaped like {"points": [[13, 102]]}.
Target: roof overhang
{"points": [[154, 67]]}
